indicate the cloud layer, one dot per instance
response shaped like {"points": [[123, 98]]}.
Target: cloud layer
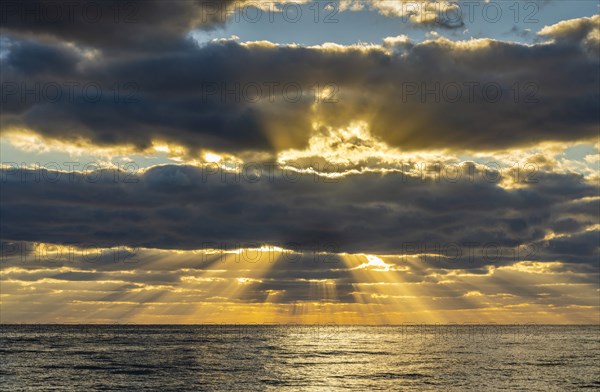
{"points": [[227, 96], [185, 207], [376, 238]]}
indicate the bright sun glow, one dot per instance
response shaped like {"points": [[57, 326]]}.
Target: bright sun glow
{"points": [[212, 158], [374, 263]]}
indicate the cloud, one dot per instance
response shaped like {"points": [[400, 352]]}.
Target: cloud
{"points": [[138, 25], [585, 30], [155, 25], [124, 76], [231, 97], [169, 286], [446, 14], [185, 207]]}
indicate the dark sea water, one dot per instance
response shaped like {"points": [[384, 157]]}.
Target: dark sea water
{"points": [[299, 358]]}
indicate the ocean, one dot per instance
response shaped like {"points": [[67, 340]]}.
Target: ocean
{"points": [[406, 357]]}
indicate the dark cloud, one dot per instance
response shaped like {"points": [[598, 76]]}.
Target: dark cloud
{"points": [[471, 95], [146, 25], [184, 207]]}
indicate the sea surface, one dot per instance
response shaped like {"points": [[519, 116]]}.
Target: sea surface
{"points": [[299, 358]]}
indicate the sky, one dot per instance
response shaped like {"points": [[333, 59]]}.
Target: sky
{"points": [[347, 162]]}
